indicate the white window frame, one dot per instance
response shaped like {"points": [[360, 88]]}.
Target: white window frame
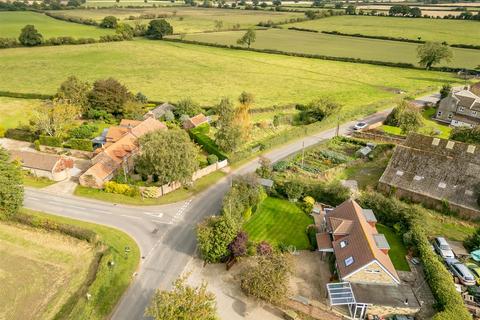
{"points": [[343, 243], [349, 261]]}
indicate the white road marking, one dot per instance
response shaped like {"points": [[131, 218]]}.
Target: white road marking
{"points": [[131, 217]]}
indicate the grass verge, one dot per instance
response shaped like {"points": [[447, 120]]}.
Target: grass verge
{"points": [[36, 182], [175, 196], [279, 221]]}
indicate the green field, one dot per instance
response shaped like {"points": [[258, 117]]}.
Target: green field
{"points": [[167, 71], [11, 23], [451, 31], [39, 271], [397, 250], [279, 221], [190, 19], [337, 46], [15, 111]]}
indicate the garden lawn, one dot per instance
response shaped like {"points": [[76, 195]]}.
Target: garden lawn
{"points": [[430, 126], [12, 22], [337, 46], [190, 19], [451, 31], [397, 250], [279, 221], [175, 196], [15, 111], [40, 271], [110, 283], [36, 182], [167, 71]]}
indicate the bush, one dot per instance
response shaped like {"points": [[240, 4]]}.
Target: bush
{"points": [[37, 145], [50, 141], [332, 193], [2, 132], [81, 144], [212, 158], [8, 43], [280, 166], [22, 134], [120, 188], [84, 131]]}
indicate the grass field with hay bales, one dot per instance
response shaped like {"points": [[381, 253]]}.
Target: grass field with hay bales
{"points": [[189, 19], [337, 46], [451, 31], [12, 22], [167, 71]]}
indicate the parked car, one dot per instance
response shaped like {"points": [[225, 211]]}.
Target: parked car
{"points": [[402, 317], [475, 269], [360, 125], [442, 247], [461, 271]]}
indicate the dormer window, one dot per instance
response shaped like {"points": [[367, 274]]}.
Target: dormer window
{"points": [[343, 243], [461, 109], [348, 261]]}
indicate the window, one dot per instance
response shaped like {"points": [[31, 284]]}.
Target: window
{"points": [[439, 113], [450, 145], [348, 261], [399, 173], [372, 271], [461, 109], [471, 149], [417, 178], [343, 243], [474, 113], [435, 141], [442, 185], [450, 116]]}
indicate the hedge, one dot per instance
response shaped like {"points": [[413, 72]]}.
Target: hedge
{"points": [[50, 141], [81, 144], [408, 219], [199, 135], [88, 21], [322, 57], [20, 134], [21, 95]]}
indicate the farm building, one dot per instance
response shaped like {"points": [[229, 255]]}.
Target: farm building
{"points": [[436, 172], [460, 108], [159, 111], [195, 121], [119, 150], [50, 166]]}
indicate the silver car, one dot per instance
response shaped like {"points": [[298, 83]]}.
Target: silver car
{"points": [[461, 271], [442, 247]]}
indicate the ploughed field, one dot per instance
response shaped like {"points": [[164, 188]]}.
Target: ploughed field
{"points": [[39, 271], [451, 31], [11, 23], [337, 46], [167, 71], [189, 19]]}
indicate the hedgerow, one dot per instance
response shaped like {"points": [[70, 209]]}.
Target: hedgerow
{"points": [[199, 135]]}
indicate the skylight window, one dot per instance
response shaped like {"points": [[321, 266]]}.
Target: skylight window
{"points": [[435, 141], [418, 178], [450, 145], [442, 185], [343, 243], [348, 261], [471, 149], [399, 173]]}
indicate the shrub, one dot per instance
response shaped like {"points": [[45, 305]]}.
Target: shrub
{"points": [[84, 131], [280, 166], [120, 188], [247, 214], [8, 43], [312, 237], [199, 135], [2, 132], [268, 279], [238, 247], [50, 141], [81, 144], [22, 134], [37, 145], [212, 158], [264, 248], [333, 192]]}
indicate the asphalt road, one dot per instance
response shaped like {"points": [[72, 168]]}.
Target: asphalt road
{"points": [[165, 234]]}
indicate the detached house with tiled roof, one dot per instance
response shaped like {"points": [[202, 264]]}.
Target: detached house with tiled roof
{"points": [[119, 150], [361, 253], [460, 108]]}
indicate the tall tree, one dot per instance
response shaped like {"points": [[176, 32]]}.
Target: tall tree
{"points": [[29, 36], [183, 302], [11, 186], [168, 154], [248, 38], [431, 53], [159, 28], [55, 118], [229, 134], [74, 91], [243, 115], [108, 96], [187, 106], [445, 91], [214, 235]]}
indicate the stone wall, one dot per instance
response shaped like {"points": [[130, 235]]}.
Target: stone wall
{"points": [[71, 152], [371, 135], [371, 274]]}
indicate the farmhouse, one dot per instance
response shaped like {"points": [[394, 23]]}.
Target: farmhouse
{"points": [[361, 252], [460, 108], [119, 150], [50, 166], [436, 172], [195, 121]]}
